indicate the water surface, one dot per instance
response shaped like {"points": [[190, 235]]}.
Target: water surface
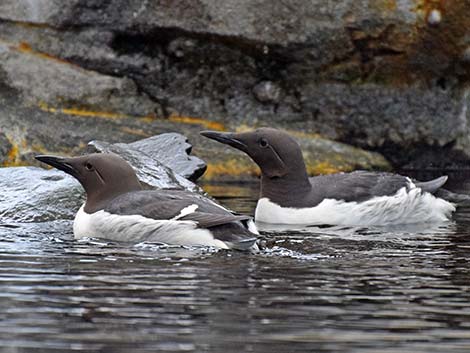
{"points": [[320, 289]]}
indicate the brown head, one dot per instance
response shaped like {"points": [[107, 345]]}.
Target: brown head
{"points": [[276, 153], [103, 176]]}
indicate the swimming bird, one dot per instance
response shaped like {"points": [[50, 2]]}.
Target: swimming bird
{"points": [[359, 198], [118, 208]]}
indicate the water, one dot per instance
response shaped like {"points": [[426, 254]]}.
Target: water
{"points": [[333, 289]]}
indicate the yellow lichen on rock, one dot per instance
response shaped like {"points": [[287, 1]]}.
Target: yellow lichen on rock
{"points": [[13, 157], [136, 132], [94, 114], [323, 168], [25, 48], [208, 124], [20, 148], [91, 113], [82, 112], [74, 111], [231, 168]]}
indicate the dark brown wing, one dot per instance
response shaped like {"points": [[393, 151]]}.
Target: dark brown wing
{"points": [[173, 204], [358, 185]]}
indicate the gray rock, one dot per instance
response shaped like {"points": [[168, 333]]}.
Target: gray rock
{"points": [[383, 75], [31, 194], [172, 150], [149, 170], [267, 92], [372, 115], [36, 11], [181, 47], [296, 21], [54, 85], [5, 148], [29, 130]]}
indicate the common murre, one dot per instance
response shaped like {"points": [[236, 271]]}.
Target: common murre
{"points": [[117, 208], [360, 198]]}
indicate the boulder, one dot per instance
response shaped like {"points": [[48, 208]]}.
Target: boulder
{"points": [[389, 76], [173, 150], [31, 194], [53, 85], [154, 165]]}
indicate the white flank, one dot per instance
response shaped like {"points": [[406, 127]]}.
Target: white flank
{"points": [[185, 211], [405, 207], [251, 226], [136, 228]]}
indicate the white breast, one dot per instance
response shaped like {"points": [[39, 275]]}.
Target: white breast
{"points": [[136, 228], [405, 207]]}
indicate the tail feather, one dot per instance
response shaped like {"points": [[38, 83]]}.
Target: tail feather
{"points": [[236, 235], [245, 244], [433, 185]]}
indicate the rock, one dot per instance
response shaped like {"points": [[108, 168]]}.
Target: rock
{"points": [[267, 92], [27, 130], [38, 11], [46, 83], [383, 75], [5, 148], [413, 118], [31, 194], [172, 150], [181, 47], [434, 17], [149, 170], [325, 156]]}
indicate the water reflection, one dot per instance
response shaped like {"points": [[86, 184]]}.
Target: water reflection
{"points": [[314, 289]]}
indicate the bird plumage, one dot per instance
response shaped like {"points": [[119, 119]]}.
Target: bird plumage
{"points": [[288, 195], [117, 208]]}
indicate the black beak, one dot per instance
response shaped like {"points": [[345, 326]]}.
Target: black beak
{"points": [[227, 138], [59, 163]]}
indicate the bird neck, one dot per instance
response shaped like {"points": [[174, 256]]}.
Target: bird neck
{"points": [[98, 199], [285, 189]]}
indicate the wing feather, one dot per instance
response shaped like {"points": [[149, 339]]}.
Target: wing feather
{"points": [[168, 204], [363, 185], [209, 220], [358, 185]]}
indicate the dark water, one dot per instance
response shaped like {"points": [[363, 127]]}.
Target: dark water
{"points": [[315, 290]]}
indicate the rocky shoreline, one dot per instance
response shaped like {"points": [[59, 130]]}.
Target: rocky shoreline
{"points": [[363, 84]]}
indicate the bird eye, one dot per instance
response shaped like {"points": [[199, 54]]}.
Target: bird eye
{"points": [[263, 143], [88, 166]]}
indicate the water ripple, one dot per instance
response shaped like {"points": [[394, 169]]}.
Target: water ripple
{"points": [[314, 289]]}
